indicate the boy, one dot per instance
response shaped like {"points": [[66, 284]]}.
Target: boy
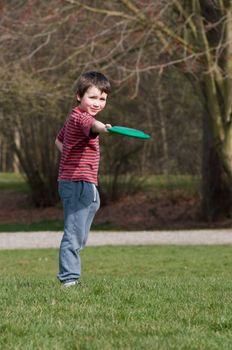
{"points": [[78, 142]]}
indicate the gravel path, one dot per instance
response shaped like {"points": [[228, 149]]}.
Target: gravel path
{"points": [[32, 240]]}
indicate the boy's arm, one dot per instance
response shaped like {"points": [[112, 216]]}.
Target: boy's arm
{"points": [[99, 127], [59, 145]]}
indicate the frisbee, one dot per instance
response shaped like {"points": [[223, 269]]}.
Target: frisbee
{"points": [[122, 130]]}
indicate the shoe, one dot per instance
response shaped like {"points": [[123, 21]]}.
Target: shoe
{"points": [[70, 283]]}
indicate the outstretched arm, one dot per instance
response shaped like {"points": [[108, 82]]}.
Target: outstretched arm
{"points": [[99, 127]]}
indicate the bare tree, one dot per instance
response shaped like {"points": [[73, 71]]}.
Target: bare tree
{"points": [[29, 121], [53, 42], [196, 37]]}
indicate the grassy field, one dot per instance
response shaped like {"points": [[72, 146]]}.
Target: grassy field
{"points": [[51, 225], [165, 297], [15, 181]]}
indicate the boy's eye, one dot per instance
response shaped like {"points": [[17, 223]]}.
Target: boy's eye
{"points": [[95, 98]]}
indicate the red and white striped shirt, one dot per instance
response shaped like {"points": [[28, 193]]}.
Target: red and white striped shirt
{"points": [[80, 155]]}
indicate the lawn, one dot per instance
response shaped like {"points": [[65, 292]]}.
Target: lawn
{"points": [[50, 225], [13, 182], [155, 297], [17, 182]]}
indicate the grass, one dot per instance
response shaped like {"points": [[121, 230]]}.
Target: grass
{"points": [[172, 182], [13, 182], [155, 183], [50, 225], [165, 297]]}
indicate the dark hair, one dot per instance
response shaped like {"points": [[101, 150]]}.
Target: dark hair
{"points": [[88, 79]]}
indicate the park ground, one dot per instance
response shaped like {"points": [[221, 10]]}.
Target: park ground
{"points": [[161, 297]]}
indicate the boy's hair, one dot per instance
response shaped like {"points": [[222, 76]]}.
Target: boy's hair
{"points": [[90, 79]]}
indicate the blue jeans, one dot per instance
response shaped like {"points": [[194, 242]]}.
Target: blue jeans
{"points": [[80, 203]]}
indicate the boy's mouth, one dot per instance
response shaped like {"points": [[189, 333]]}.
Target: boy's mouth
{"points": [[94, 110]]}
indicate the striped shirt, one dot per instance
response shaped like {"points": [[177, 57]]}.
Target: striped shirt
{"points": [[80, 155]]}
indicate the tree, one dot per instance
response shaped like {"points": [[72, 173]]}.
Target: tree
{"points": [[196, 37], [34, 103], [52, 43], [30, 117]]}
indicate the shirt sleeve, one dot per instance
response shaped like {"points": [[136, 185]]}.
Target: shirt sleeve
{"points": [[86, 122]]}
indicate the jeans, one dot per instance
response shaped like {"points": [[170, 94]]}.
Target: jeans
{"points": [[80, 203]]}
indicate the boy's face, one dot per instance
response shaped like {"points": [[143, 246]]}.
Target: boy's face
{"points": [[93, 100]]}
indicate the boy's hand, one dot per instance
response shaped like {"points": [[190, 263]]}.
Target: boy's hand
{"points": [[59, 145], [108, 126]]}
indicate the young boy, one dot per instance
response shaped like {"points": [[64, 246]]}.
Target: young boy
{"points": [[78, 142]]}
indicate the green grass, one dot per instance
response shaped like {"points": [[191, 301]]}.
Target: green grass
{"points": [[165, 297], [172, 182], [13, 182], [43, 225], [50, 225]]}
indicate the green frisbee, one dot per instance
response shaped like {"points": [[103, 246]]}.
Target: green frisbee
{"points": [[122, 130]]}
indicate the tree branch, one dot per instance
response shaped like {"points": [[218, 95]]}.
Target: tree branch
{"points": [[187, 17], [101, 11]]}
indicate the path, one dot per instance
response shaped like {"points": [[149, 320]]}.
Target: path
{"points": [[32, 240]]}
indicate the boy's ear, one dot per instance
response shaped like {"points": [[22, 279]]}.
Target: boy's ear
{"points": [[78, 98]]}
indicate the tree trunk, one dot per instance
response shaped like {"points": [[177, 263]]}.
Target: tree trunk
{"points": [[216, 186]]}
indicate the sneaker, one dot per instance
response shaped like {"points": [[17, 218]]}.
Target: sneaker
{"points": [[70, 283]]}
